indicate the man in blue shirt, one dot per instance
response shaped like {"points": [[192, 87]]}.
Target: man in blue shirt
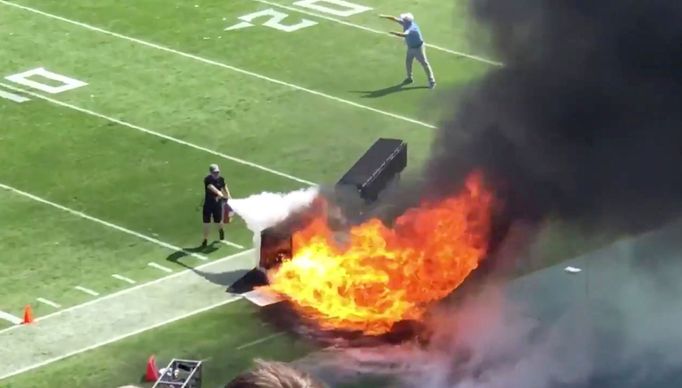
{"points": [[415, 46]]}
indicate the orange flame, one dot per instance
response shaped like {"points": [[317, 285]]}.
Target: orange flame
{"points": [[384, 275]]}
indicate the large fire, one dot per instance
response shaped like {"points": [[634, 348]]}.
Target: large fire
{"points": [[384, 275]]}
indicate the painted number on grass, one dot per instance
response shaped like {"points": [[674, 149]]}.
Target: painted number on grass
{"points": [[40, 79], [334, 7], [275, 19], [45, 81]]}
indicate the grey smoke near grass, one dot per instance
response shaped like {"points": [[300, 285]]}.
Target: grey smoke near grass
{"points": [[495, 341], [584, 119], [491, 341], [486, 342], [616, 324]]}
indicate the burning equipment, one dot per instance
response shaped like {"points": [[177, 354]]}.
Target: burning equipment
{"points": [[375, 274], [359, 188]]}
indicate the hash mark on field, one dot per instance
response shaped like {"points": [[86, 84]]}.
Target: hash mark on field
{"points": [[13, 97], [230, 243], [161, 267], [128, 290], [11, 318], [87, 290], [219, 64], [102, 222], [48, 302], [259, 341], [118, 338], [123, 278], [364, 28], [161, 135]]}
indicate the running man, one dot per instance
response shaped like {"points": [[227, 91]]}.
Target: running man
{"points": [[215, 199], [415, 46]]}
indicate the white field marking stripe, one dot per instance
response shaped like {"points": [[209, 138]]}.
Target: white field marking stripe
{"points": [[161, 267], [369, 29], [13, 97], [159, 134], [118, 338], [219, 64], [87, 290], [258, 341], [123, 278], [11, 318], [230, 243], [123, 291], [47, 302], [102, 222]]}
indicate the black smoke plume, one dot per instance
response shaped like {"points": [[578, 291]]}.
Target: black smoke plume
{"points": [[583, 121]]}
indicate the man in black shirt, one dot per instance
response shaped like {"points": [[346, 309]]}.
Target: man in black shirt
{"points": [[215, 201]]}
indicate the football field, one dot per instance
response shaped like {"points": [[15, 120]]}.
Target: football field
{"points": [[111, 112]]}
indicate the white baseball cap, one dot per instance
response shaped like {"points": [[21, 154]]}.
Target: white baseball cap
{"points": [[213, 168], [407, 17]]}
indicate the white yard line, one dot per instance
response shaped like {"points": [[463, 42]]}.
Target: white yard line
{"points": [[261, 340], [230, 243], [369, 29], [87, 290], [101, 222], [158, 134], [118, 338], [13, 319], [123, 278], [47, 302], [159, 266], [124, 291], [219, 64], [13, 97]]}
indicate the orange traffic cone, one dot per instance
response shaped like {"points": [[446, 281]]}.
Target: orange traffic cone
{"points": [[152, 373], [28, 315]]}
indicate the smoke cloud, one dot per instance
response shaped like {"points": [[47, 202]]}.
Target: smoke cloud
{"points": [[583, 120], [261, 211]]}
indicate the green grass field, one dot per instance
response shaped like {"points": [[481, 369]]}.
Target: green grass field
{"points": [[103, 179]]}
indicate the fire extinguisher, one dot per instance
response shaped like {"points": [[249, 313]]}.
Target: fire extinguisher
{"points": [[228, 213]]}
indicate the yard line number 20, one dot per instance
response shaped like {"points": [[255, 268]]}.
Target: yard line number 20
{"points": [[275, 19]]}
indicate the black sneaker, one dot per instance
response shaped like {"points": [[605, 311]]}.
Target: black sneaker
{"points": [[222, 234], [204, 243], [407, 81]]}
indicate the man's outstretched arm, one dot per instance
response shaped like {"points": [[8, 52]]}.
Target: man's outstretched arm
{"points": [[394, 18]]}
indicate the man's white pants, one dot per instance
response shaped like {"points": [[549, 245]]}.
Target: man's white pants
{"points": [[420, 55]]}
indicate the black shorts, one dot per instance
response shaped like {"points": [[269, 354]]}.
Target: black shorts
{"points": [[213, 210]]}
